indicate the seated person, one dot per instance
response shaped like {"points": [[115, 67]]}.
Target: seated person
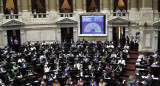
{"points": [[8, 77], [93, 83], [91, 66], [80, 82], [105, 74], [108, 67], [56, 83], [46, 69], [57, 67], [113, 61], [95, 59], [56, 74], [121, 61], [68, 67], [114, 55], [15, 68], [77, 66], [85, 59], [132, 81], [118, 69], [92, 73], [99, 67], [102, 83], [65, 74], [126, 47], [69, 82], [2, 70], [24, 64]]}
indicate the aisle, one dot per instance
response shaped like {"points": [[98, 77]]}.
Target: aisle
{"points": [[130, 65]]}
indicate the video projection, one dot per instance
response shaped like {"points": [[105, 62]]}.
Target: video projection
{"points": [[92, 24]]}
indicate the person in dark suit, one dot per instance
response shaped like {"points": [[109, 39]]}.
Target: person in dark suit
{"points": [[65, 74], [2, 70], [105, 74]]}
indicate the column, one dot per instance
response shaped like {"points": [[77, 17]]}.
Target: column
{"points": [[74, 5], [129, 5], [5, 37], [24, 5], [110, 33], [156, 39], [46, 4], [74, 34], [133, 4], [22, 36], [79, 4], [101, 5], [52, 5], [1, 6], [19, 5], [57, 5], [155, 6], [126, 31], [146, 3], [111, 5], [84, 5], [106, 4]]}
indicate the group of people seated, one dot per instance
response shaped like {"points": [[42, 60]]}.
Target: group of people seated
{"points": [[148, 74], [80, 63]]}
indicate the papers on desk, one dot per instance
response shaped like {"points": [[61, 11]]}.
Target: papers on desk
{"points": [[155, 78], [137, 63]]}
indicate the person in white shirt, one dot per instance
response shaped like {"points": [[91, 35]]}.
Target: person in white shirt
{"points": [[46, 69], [114, 55], [121, 61]]}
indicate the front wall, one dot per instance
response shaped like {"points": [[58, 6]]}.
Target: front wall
{"points": [[1, 38], [40, 35]]}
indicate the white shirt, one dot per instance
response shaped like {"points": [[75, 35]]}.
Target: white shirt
{"points": [[121, 62], [46, 69]]}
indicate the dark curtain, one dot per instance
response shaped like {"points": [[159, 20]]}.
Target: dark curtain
{"points": [[44, 7], [60, 5], [98, 4], [15, 4], [115, 4], [70, 3], [88, 4], [33, 2], [125, 3], [4, 6]]}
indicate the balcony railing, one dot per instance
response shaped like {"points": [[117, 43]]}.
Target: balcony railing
{"points": [[11, 16], [39, 15], [120, 14], [66, 14]]}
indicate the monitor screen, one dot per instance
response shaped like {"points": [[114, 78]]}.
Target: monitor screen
{"points": [[93, 24]]}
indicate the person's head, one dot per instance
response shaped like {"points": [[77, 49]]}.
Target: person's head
{"points": [[80, 79]]}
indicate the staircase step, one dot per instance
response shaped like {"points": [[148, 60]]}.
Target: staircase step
{"points": [[124, 78], [133, 52], [130, 66], [132, 61], [129, 73], [134, 56]]}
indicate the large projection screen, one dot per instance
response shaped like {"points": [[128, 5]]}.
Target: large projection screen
{"points": [[92, 24]]}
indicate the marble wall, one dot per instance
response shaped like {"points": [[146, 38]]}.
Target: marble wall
{"points": [[40, 35]]}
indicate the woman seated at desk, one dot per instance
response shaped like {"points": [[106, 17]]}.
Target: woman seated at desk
{"points": [[93, 83]]}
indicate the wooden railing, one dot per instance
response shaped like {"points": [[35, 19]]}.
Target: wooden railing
{"points": [[11, 16], [66, 14], [40, 15]]}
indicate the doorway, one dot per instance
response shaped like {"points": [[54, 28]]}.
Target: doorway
{"points": [[66, 34], [158, 41], [13, 35], [119, 36]]}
